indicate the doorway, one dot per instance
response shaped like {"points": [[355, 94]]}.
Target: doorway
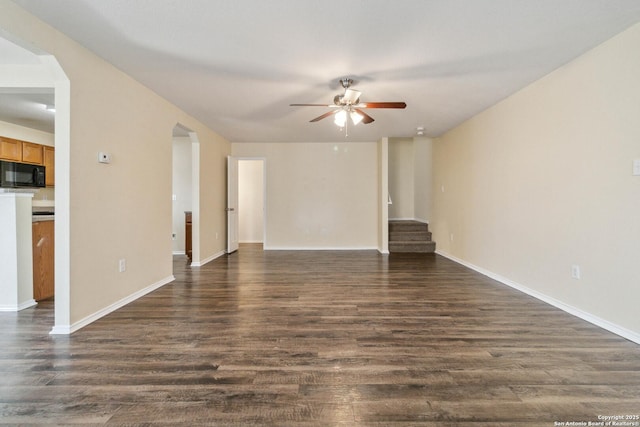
{"points": [[251, 200], [183, 194], [46, 85]]}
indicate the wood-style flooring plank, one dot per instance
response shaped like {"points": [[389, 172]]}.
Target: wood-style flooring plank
{"points": [[317, 338]]}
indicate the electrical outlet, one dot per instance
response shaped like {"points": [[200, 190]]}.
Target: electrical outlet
{"points": [[122, 265], [173, 236], [451, 237], [575, 271]]}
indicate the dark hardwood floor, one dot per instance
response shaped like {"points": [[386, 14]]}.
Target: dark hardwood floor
{"points": [[319, 338]]}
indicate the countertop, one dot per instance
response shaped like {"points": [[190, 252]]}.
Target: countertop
{"points": [[38, 218], [43, 203]]}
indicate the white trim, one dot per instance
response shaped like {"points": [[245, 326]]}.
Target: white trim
{"points": [[595, 320], [298, 248], [410, 219], [27, 304], [178, 253], [18, 307], [69, 329], [207, 260], [250, 241]]}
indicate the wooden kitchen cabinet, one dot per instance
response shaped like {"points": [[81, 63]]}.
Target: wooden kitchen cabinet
{"points": [[22, 151], [49, 157], [187, 235], [32, 153], [43, 259], [10, 149]]}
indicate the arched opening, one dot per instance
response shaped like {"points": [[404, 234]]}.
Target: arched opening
{"points": [[44, 85]]}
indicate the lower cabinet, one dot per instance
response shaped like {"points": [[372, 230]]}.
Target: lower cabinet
{"points": [[43, 259]]}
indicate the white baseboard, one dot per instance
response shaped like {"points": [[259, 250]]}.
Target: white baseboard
{"points": [[595, 320], [207, 260], [179, 253], [27, 304], [69, 329], [299, 248], [18, 307]]}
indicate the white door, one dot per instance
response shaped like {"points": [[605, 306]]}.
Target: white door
{"points": [[232, 204]]}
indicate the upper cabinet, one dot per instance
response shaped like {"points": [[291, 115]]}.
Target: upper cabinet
{"points": [[31, 153], [10, 149], [49, 165], [28, 152], [21, 151]]}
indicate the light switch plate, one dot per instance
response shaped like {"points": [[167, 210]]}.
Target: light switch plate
{"points": [[575, 272], [636, 167]]}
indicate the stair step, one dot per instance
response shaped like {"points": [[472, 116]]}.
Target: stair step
{"points": [[407, 225], [412, 246], [410, 236], [395, 236]]}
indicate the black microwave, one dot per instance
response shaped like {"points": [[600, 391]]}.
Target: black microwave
{"points": [[21, 175]]}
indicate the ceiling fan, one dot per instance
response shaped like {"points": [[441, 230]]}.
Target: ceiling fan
{"points": [[348, 105]]}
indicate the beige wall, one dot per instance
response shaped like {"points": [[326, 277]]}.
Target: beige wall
{"points": [[319, 195], [422, 175], [123, 209], [25, 134], [543, 181], [212, 190], [401, 182]]}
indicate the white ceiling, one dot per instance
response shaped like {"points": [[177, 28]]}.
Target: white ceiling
{"points": [[24, 106], [237, 65]]}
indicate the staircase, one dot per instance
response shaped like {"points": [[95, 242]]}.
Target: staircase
{"points": [[410, 236]]}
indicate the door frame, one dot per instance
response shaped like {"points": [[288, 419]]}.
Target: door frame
{"points": [[264, 194]]}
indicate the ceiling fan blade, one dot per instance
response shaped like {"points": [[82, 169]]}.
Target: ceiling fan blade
{"points": [[367, 118], [325, 115], [382, 105]]}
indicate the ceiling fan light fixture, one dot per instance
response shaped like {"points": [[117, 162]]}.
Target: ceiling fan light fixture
{"points": [[340, 118], [350, 97], [356, 117]]}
